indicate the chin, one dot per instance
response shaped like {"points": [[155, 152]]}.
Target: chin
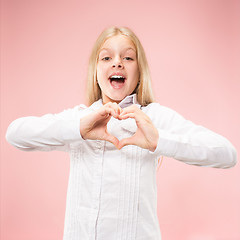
{"points": [[118, 96], [117, 100]]}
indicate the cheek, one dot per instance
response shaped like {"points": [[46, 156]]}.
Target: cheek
{"points": [[136, 73], [98, 70], [101, 71]]}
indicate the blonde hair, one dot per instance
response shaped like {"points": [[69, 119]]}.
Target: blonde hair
{"points": [[144, 89]]}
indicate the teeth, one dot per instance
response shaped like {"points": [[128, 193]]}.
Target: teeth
{"points": [[117, 76]]}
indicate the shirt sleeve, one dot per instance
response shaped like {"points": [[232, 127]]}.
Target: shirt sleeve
{"points": [[46, 133], [193, 144]]}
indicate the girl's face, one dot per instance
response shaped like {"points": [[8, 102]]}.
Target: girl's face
{"points": [[117, 69]]}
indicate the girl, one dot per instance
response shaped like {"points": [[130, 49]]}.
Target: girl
{"points": [[114, 144]]}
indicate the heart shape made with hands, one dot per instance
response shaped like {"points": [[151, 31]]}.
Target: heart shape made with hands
{"points": [[94, 126], [144, 134], [122, 129]]}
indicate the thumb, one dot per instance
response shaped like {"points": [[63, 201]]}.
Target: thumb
{"points": [[110, 138], [126, 141]]}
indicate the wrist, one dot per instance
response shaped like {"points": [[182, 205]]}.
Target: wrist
{"points": [[82, 128], [154, 143]]}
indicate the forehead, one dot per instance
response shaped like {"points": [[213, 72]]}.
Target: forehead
{"points": [[118, 43]]}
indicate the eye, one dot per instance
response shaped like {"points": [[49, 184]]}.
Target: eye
{"points": [[128, 58], [105, 58]]}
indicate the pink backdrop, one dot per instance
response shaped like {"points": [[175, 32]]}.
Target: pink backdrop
{"points": [[193, 51]]}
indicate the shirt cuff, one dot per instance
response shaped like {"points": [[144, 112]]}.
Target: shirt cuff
{"points": [[70, 130]]}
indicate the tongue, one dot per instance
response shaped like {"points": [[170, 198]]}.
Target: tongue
{"points": [[117, 84]]}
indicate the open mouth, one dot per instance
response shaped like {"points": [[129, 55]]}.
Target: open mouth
{"points": [[117, 81]]}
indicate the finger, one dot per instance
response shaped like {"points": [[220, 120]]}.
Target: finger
{"points": [[136, 116], [111, 112], [117, 108], [114, 106], [127, 115], [128, 112], [113, 109], [110, 138], [130, 109]]}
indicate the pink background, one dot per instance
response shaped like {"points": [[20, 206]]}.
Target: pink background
{"points": [[193, 51]]}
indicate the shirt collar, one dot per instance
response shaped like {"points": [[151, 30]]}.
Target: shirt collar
{"points": [[126, 102], [129, 100]]}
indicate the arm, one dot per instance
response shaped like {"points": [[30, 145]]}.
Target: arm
{"points": [[45, 133], [58, 131], [193, 144]]}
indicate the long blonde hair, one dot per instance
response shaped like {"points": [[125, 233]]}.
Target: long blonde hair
{"points": [[144, 88]]}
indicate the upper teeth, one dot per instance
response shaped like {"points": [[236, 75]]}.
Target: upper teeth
{"points": [[117, 76]]}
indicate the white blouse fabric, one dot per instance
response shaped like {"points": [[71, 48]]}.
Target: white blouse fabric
{"points": [[112, 194]]}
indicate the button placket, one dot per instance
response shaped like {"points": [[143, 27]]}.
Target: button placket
{"points": [[97, 182]]}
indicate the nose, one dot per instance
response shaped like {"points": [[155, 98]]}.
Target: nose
{"points": [[117, 63]]}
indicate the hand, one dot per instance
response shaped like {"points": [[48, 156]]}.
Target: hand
{"points": [[94, 125], [146, 135]]}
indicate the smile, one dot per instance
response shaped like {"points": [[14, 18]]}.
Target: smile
{"points": [[117, 81]]}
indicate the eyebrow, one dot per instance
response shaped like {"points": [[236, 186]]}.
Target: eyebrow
{"points": [[108, 49]]}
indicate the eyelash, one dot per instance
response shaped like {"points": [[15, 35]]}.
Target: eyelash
{"points": [[104, 59]]}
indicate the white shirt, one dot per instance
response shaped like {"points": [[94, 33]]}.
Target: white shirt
{"points": [[112, 194]]}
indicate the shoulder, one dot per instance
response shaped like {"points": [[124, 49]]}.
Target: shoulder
{"points": [[155, 109], [82, 110], [71, 112], [162, 114]]}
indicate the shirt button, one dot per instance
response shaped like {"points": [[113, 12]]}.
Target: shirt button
{"points": [[98, 145]]}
